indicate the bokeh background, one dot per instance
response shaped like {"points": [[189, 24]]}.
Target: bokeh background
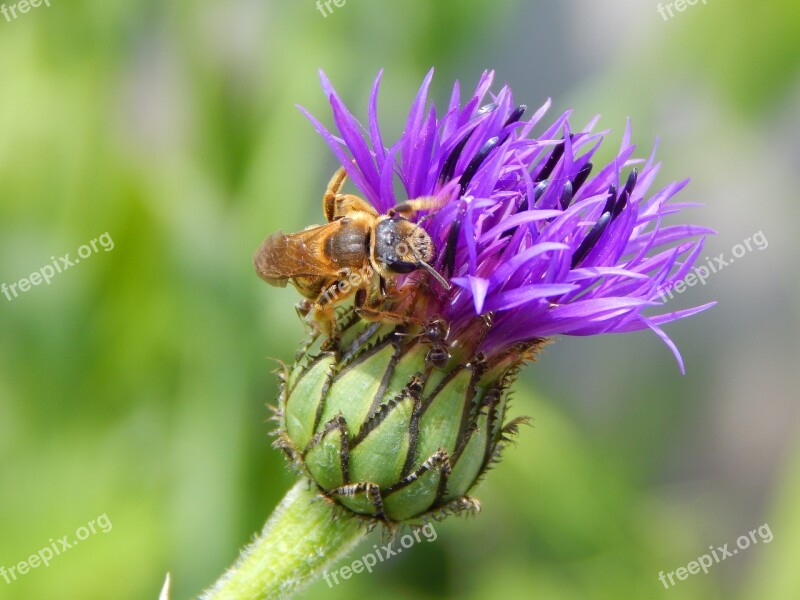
{"points": [[135, 384]]}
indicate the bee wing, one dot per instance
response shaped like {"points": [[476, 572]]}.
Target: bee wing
{"points": [[300, 254]]}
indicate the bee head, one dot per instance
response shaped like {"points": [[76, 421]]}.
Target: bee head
{"points": [[401, 245]]}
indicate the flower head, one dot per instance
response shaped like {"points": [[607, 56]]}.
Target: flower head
{"points": [[395, 419], [531, 233]]}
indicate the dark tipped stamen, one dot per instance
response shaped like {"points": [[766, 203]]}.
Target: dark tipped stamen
{"points": [[591, 239], [581, 177], [566, 195], [449, 166], [449, 257], [612, 199], [516, 115], [522, 207], [476, 162], [538, 192], [626, 194], [632, 179], [620, 206], [551, 163]]}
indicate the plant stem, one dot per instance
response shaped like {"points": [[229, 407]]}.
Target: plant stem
{"points": [[301, 539]]}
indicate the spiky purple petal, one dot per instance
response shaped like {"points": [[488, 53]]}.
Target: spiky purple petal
{"points": [[529, 229]]}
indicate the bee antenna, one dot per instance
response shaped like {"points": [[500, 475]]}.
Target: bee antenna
{"points": [[436, 275]]}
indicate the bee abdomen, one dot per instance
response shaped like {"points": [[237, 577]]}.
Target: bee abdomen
{"points": [[345, 248]]}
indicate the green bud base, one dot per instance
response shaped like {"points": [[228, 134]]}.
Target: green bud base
{"points": [[384, 432]]}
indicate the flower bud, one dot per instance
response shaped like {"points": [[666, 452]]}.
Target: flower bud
{"points": [[388, 425]]}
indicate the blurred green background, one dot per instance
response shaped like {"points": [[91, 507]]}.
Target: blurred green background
{"points": [[135, 384]]}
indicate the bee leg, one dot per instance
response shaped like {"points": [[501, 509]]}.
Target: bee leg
{"points": [[336, 205], [325, 323], [324, 311], [372, 312], [334, 187], [410, 208], [347, 204], [303, 308]]}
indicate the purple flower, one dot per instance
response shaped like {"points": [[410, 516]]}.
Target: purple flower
{"points": [[536, 240]]}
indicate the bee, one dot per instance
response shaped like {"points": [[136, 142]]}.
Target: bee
{"points": [[358, 253]]}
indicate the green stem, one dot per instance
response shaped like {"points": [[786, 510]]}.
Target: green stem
{"points": [[300, 540]]}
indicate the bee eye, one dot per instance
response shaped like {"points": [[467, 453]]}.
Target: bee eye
{"points": [[401, 266]]}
